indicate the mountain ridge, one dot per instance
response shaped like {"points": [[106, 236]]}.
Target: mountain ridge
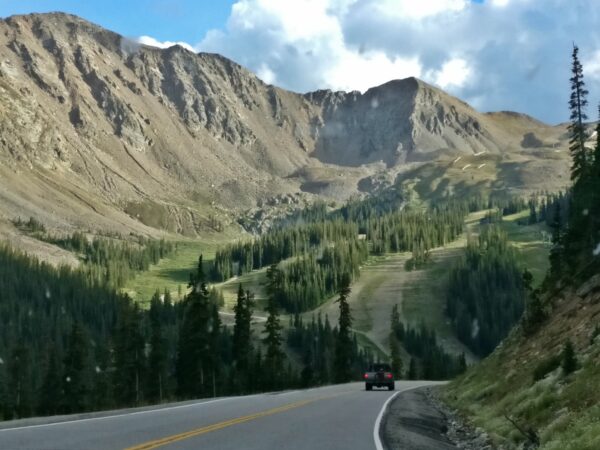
{"points": [[102, 133]]}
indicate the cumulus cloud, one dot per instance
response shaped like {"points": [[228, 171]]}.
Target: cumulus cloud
{"points": [[497, 54], [592, 65], [411, 9], [148, 40], [454, 73]]}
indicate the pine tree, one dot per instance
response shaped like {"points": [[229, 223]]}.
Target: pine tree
{"points": [[412, 369], [462, 363], [274, 355], [129, 356], [569, 359], [215, 347], [534, 310], [242, 331], [77, 379], [194, 345], [595, 190], [556, 252], [157, 382], [395, 325], [395, 357], [577, 105], [343, 347], [51, 395], [20, 393]]}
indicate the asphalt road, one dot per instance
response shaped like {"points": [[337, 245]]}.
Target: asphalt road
{"points": [[333, 417]]}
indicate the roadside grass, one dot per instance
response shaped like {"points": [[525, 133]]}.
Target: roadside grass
{"points": [[563, 409]]}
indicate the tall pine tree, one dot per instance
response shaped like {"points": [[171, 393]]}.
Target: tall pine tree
{"points": [[343, 347], [242, 336], [577, 105], [77, 371], [274, 356], [157, 380], [194, 346]]}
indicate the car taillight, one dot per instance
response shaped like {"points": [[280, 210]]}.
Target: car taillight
{"points": [[388, 375], [366, 375]]}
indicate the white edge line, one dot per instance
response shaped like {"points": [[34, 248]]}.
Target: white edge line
{"points": [[66, 422], [376, 437], [168, 408]]}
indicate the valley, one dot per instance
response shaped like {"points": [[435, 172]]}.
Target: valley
{"points": [[335, 230]]}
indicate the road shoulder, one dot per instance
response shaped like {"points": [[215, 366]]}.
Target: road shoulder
{"points": [[417, 420]]}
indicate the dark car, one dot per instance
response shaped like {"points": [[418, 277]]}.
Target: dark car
{"points": [[379, 375]]}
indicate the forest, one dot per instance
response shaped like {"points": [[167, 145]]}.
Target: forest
{"points": [[486, 294], [314, 256]]}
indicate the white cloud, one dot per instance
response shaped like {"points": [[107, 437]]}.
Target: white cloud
{"points": [[354, 71], [302, 45], [501, 54], [415, 9], [148, 40], [454, 73], [592, 66], [266, 74]]}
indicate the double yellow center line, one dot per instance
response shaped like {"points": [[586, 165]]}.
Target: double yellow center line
{"points": [[218, 426]]}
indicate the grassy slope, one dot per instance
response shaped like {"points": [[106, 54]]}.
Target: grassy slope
{"points": [[383, 283], [173, 272], [565, 410]]}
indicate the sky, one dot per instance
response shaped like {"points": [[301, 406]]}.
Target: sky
{"points": [[494, 54]]}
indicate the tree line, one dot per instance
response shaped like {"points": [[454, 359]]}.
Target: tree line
{"points": [[68, 346], [324, 252], [428, 359]]}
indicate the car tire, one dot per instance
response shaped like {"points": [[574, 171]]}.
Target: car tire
{"points": [[368, 387], [392, 387]]}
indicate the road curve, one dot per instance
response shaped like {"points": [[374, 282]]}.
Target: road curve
{"points": [[332, 417]]}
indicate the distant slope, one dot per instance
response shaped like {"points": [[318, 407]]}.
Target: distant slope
{"points": [[98, 132]]}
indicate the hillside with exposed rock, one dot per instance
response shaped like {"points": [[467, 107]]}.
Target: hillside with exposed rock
{"points": [[100, 133]]}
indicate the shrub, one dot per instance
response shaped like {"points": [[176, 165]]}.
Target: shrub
{"points": [[546, 366], [569, 359]]}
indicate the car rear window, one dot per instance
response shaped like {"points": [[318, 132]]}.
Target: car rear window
{"points": [[380, 367]]}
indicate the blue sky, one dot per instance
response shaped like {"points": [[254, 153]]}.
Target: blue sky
{"points": [[175, 20], [494, 54]]}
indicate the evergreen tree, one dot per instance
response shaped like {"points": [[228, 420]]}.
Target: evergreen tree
{"points": [[215, 347], [343, 347], [395, 357], [577, 105], [395, 325], [274, 355], [569, 359], [129, 356], [51, 395], [412, 370], [595, 192], [242, 335], [462, 363], [534, 310], [20, 389], [194, 346], [556, 252], [77, 379], [157, 382]]}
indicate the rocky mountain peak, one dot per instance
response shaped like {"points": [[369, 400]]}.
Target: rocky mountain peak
{"points": [[93, 123]]}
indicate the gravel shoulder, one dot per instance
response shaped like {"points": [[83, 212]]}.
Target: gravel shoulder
{"points": [[418, 420]]}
